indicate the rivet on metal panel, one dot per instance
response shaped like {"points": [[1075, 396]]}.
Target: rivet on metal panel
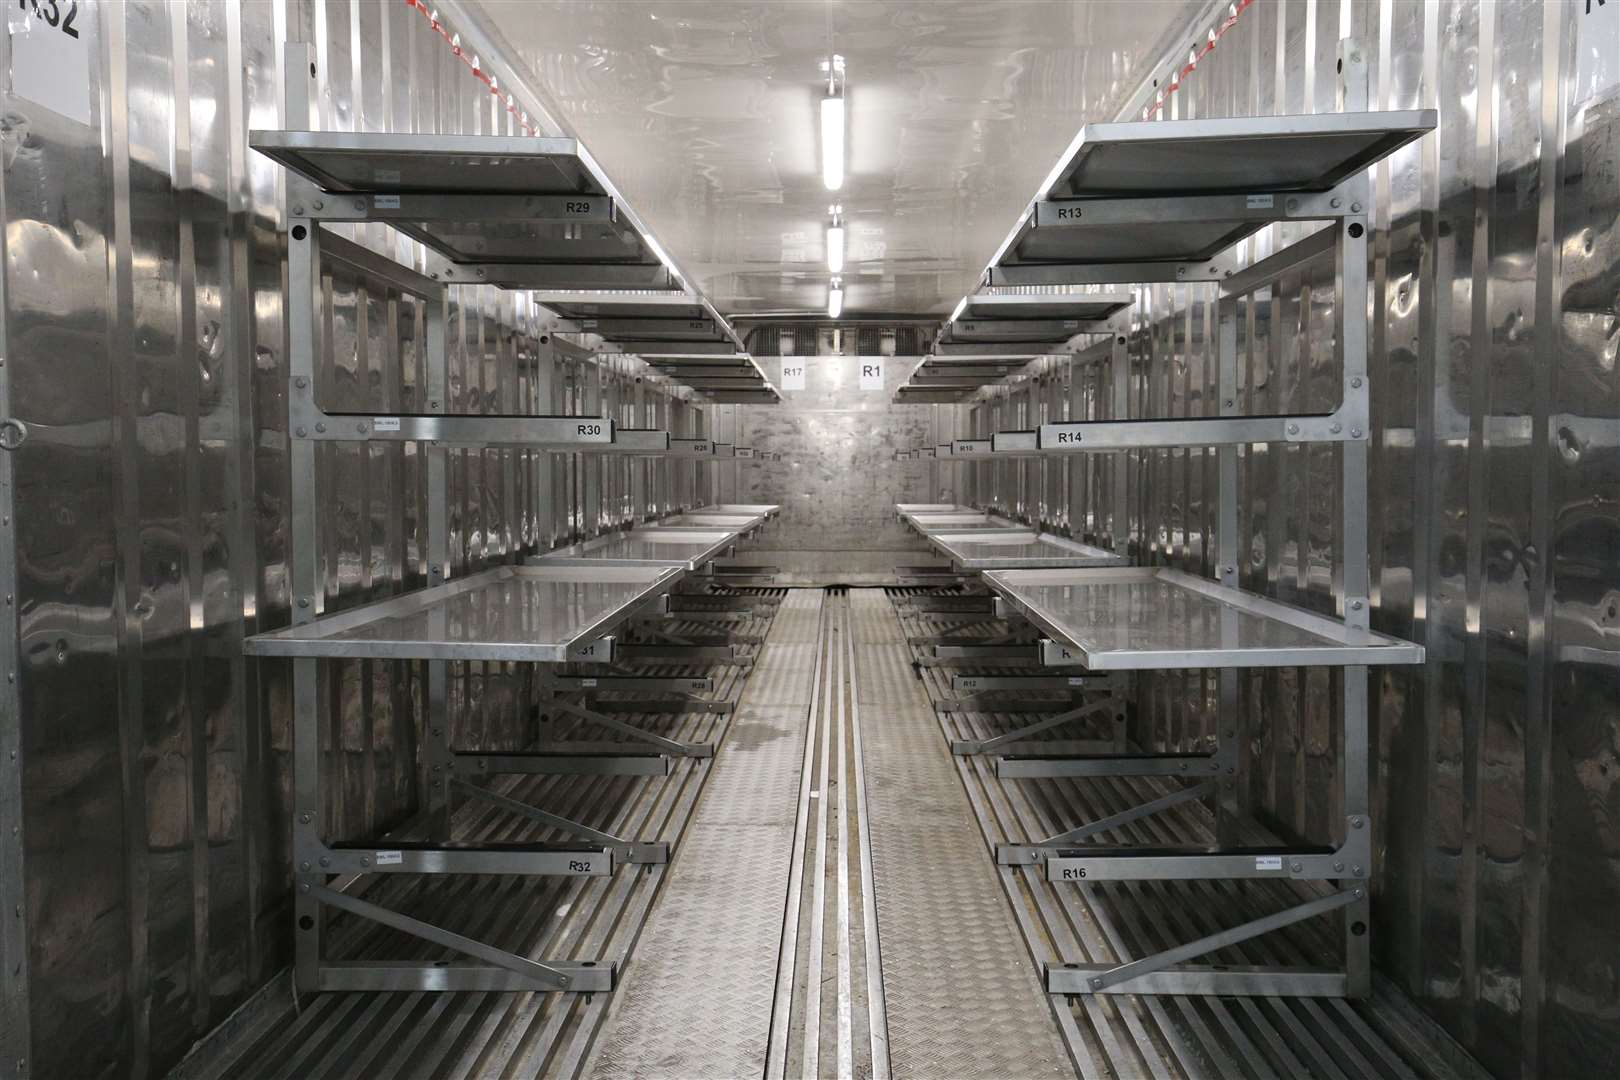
{"points": [[1355, 208], [359, 204], [298, 211], [1293, 429], [365, 860], [1356, 382], [303, 888], [1292, 205], [304, 865], [1355, 822], [1355, 870], [304, 817], [361, 428], [326, 861], [1355, 433], [303, 601], [1335, 202], [319, 205], [1355, 605], [1338, 865], [320, 427], [301, 382], [301, 432]]}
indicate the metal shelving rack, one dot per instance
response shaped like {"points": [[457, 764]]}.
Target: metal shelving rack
{"points": [[1164, 201], [520, 213]]}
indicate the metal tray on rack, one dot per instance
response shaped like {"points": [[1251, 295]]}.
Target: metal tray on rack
{"points": [[958, 522], [1255, 161], [1310, 152], [688, 549], [1018, 549], [1133, 618], [769, 510], [1049, 319], [429, 187], [702, 519], [529, 613]]}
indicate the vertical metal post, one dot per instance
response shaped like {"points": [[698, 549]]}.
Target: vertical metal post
{"points": [[437, 741], [1351, 302], [304, 555], [1228, 722], [15, 1035], [1120, 363]]}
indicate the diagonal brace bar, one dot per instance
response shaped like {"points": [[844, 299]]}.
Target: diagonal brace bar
{"points": [[545, 976], [1220, 940], [1024, 854], [633, 850], [667, 745], [967, 747]]}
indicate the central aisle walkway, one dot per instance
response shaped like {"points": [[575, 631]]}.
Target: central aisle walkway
{"points": [[832, 911]]}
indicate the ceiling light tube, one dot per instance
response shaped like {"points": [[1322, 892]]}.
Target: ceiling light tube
{"points": [[835, 299], [835, 247], [832, 141]]}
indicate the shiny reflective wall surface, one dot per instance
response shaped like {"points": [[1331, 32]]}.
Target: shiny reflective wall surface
{"points": [[145, 353], [826, 455], [1495, 535]]}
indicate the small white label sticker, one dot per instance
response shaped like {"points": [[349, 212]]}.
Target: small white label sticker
{"points": [[50, 55], [793, 374], [390, 858], [385, 202], [385, 176], [871, 373], [385, 423], [1259, 202], [1076, 681], [1268, 862]]}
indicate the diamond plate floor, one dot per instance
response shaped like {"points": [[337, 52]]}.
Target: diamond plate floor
{"points": [[964, 998], [696, 997]]}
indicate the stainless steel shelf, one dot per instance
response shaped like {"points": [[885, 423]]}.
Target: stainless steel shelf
{"points": [[507, 613], [957, 521], [702, 519], [1230, 155], [1047, 321], [1156, 618], [686, 549], [1186, 190], [768, 510], [1018, 549]]}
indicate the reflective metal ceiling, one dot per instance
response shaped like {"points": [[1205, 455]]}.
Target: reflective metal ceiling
{"points": [[704, 114]]}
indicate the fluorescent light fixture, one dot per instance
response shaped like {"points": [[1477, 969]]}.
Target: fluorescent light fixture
{"points": [[957, 311], [832, 141], [835, 299], [835, 248]]}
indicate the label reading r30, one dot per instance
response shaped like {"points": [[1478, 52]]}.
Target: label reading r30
{"points": [[590, 429]]}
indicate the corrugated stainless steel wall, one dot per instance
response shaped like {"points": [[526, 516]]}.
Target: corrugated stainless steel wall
{"points": [[144, 348], [826, 455], [1495, 533]]}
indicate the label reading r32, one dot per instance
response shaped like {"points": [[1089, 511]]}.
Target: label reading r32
{"points": [[51, 12], [579, 866]]}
